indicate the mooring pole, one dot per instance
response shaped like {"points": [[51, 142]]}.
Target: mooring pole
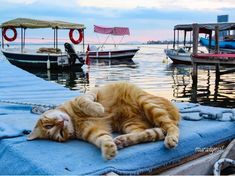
{"points": [[54, 37], [174, 40], [210, 39], [185, 33], [195, 38], [195, 49], [83, 41], [178, 40], [24, 38], [216, 39], [21, 36]]}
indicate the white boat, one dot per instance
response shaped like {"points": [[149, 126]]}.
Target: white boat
{"points": [[115, 53], [179, 56], [48, 58]]}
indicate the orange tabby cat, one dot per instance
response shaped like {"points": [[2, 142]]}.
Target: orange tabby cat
{"points": [[117, 107]]}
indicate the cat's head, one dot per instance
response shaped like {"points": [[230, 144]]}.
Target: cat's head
{"points": [[54, 125]]}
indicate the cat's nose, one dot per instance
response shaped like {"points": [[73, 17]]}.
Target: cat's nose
{"points": [[60, 123]]}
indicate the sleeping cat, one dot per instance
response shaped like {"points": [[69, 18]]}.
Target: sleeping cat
{"points": [[117, 107]]}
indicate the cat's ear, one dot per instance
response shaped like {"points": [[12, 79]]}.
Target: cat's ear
{"points": [[34, 134]]}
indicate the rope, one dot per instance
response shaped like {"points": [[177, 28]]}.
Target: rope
{"points": [[36, 107], [218, 165], [188, 113]]}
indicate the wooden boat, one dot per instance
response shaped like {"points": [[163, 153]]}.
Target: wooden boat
{"points": [[179, 56], [115, 53], [226, 46], [44, 58]]}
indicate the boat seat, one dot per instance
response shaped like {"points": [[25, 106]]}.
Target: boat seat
{"points": [[73, 56], [49, 50]]}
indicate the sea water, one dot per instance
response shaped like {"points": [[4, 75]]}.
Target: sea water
{"points": [[150, 70]]}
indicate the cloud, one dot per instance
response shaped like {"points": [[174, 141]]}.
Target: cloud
{"points": [[166, 4], [20, 1]]}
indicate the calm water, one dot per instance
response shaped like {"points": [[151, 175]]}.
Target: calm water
{"points": [[151, 71]]}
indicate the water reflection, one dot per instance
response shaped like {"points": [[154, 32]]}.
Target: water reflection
{"points": [[148, 71], [79, 78], [209, 90]]}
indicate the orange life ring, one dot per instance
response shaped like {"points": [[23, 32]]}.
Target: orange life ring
{"points": [[80, 36], [9, 39]]}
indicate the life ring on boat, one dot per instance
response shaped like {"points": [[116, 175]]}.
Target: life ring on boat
{"points": [[74, 41], [4, 33]]}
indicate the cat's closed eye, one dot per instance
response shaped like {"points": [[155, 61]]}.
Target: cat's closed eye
{"points": [[48, 126]]}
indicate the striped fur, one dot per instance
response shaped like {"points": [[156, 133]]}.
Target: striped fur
{"points": [[118, 107]]}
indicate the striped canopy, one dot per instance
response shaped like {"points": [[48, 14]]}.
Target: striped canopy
{"points": [[112, 30]]}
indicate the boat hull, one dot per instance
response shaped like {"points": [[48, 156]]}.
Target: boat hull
{"points": [[38, 60], [113, 54], [178, 58]]}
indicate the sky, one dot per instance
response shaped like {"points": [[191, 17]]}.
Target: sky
{"points": [[147, 19]]}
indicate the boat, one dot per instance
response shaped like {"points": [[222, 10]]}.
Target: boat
{"points": [[43, 58], [179, 56], [226, 46], [115, 53]]}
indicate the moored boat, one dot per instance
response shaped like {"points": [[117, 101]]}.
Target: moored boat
{"points": [[44, 58], [115, 53], [179, 56], [226, 46]]}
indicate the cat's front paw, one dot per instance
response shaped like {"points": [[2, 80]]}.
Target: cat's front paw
{"points": [[171, 141], [97, 109], [109, 150]]}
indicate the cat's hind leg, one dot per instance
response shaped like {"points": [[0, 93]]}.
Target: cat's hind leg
{"points": [[161, 118], [138, 132]]}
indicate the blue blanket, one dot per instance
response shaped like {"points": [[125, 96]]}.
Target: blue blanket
{"points": [[19, 156]]}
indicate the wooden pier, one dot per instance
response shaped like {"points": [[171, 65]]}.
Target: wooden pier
{"points": [[215, 56]]}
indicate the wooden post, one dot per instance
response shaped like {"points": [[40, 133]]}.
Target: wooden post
{"points": [[195, 49], [83, 41], [190, 39], [174, 40], [210, 39], [217, 39], [185, 33], [217, 79], [24, 38], [21, 29], [195, 38], [178, 41], [54, 37], [194, 85]]}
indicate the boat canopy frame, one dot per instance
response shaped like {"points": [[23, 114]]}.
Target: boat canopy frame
{"points": [[111, 31], [25, 23]]}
